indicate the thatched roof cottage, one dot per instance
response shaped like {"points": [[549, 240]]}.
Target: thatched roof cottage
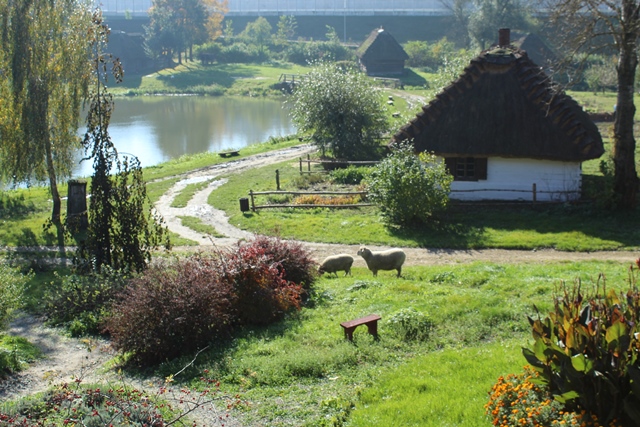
{"points": [[381, 54], [503, 129], [537, 50]]}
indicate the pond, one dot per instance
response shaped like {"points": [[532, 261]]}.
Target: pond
{"points": [[161, 128]]}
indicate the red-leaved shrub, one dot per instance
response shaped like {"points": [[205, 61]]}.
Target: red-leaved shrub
{"points": [[183, 305], [263, 295], [173, 309], [293, 258]]}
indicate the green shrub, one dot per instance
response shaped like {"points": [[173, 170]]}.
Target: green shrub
{"points": [[410, 324], [82, 302], [586, 352], [12, 283], [409, 188], [352, 175], [74, 404], [307, 180]]}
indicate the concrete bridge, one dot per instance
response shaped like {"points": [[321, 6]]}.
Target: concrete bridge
{"points": [[139, 8]]}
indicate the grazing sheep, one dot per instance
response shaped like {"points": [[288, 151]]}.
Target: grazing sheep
{"points": [[335, 263], [391, 259]]}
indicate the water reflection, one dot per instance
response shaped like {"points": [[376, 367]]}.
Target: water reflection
{"points": [[157, 129]]}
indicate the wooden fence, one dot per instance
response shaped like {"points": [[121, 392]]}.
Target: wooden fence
{"points": [[334, 163], [255, 207]]}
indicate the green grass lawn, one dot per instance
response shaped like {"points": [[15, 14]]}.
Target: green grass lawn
{"points": [[465, 226], [219, 79], [471, 323]]}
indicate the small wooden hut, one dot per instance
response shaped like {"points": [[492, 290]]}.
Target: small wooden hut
{"points": [[381, 54], [504, 129]]}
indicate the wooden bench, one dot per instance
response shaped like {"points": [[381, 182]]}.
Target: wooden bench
{"points": [[371, 321], [229, 153]]}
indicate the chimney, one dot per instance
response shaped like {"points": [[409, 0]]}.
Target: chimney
{"points": [[504, 35]]}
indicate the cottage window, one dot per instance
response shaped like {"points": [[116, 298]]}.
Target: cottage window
{"points": [[467, 168]]}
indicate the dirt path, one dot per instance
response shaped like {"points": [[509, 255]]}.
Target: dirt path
{"points": [[63, 359]]}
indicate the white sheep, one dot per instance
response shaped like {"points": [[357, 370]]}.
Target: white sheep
{"points": [[391, 259], [335, 263]]}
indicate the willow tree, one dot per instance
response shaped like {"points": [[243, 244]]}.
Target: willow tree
{"points": [[594, 25], [44, 44]]}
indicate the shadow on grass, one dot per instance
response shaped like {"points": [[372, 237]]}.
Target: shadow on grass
{"points": [[29, 239], [466, 225], [216, 356], [15, 207], [223, 75], [411, 78]]}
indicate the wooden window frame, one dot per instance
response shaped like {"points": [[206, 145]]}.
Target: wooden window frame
{"points": [[467, 168]]}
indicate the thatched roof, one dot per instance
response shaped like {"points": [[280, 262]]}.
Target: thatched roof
{"points": [[504, 105], [381, 45], [537, 50]]}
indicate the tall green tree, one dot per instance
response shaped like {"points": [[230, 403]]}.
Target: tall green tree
{"points": [[491, 15], [174, 27], [341, 109], [588, 26], [461, 11], [45, 48], [287, 26], [258, 32]]}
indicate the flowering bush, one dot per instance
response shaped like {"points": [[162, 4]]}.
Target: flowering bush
{"points": [[292, 257], [516, 400]]}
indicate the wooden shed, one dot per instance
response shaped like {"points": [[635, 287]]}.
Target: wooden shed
{"points": [[381, 54], [504, 129]]}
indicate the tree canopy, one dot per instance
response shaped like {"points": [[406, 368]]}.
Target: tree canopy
{"points": [[341, 110], [176, 25], [593, 26]]}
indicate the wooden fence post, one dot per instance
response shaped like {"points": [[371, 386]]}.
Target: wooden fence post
{"points": [[308, 162], [300, 165], [278, 179], [253, 205], [535, 196]]}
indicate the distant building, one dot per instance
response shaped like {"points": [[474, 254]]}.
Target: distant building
{"points": [[537, 50], [503, 129], [381, 54]]}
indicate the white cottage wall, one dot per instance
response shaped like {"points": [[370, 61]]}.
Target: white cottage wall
{"points": [[513, 179]]}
